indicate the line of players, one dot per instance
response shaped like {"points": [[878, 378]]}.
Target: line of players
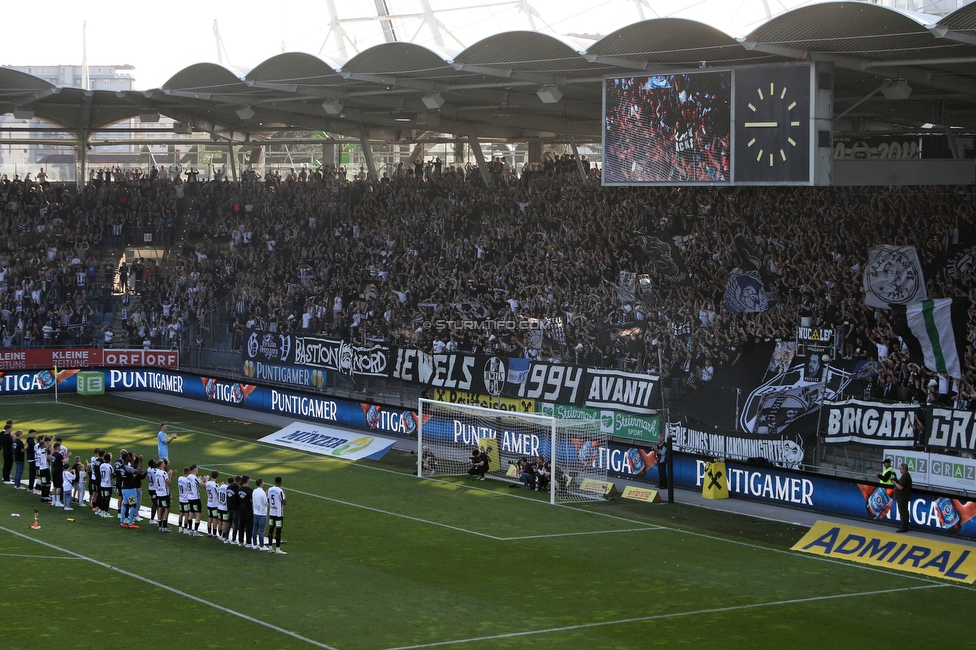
{"points": [[237, 514]]}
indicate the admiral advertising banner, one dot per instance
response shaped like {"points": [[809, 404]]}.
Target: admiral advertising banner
{"points": [[612, 423], [932, 512], [888, 550], [783, 451], [48, 358], [951, 429], [290, 350], [596, 389], [872, 423], [329, 441]]}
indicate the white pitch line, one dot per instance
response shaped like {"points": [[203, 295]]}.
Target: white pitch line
{"points": [[173, 590], [39, 557], [589, 532], [401, 516], [656, 617]]}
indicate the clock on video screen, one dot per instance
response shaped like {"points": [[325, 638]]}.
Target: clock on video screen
{"points": [[772, 125]]}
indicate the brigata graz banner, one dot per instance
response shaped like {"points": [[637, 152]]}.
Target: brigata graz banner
{"points": [[872, 423], [951, 429], [596, 389], [48, 358], [291, 350]]}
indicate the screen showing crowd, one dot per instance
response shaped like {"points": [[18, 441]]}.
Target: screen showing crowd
{"points": [[668, 129]]}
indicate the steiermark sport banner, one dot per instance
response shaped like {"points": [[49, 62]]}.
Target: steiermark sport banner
{"points": [[612, 423]]}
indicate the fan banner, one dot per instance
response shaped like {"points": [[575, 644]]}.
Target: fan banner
{"points": [[893, 276], [872, 423], [951, 429]]}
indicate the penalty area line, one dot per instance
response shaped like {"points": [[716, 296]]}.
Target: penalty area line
{"points": [[401, 516], [160, 585], [657, 617], [589, 532]]}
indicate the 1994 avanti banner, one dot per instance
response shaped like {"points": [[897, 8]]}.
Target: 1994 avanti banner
{"points": [[474, 373]]}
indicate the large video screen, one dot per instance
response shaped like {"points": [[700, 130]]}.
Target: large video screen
{"points": [[668, 129]]}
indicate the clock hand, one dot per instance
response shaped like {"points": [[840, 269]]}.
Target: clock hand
{"points": [[766, 125]]}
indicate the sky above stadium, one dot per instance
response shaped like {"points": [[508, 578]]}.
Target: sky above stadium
{"points": [[160, 39]]}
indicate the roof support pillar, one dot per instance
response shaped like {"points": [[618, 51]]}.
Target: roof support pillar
{"points": [[232, 159], [951, 141], [480, 157], [82, 158], [579, 161], [329, 154], [368, 154]]}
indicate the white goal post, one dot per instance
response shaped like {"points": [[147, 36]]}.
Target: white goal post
{"points": [[448, 433]]}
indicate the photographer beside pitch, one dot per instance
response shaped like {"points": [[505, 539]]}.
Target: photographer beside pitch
{"points": [[479, 464]]}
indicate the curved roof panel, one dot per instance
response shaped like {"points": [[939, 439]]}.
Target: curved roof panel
{"points": [[205, 78], [296, 68], [673, 40], [854, 29], [14, 80], [525, 51], [962, 18], [406, 59]]}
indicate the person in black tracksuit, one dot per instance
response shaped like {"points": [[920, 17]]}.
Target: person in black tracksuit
{"points": [[245, 511], [7, 445], [234, 524]]}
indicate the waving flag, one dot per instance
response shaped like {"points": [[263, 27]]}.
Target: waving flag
{"points": [[935, 333]]}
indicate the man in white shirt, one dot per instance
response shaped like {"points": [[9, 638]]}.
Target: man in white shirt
{"points": [[213, 497], [194, 509], [105, 481], [223, 515], [259, 504], [164, 478], [276, 512], [183, 494]]}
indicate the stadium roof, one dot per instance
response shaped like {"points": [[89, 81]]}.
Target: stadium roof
{"points": [[517, 86]]}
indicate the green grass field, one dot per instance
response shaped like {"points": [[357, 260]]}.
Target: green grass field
{"points": [[380, 559]]}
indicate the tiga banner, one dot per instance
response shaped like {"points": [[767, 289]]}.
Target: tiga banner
{"points": [[872, 423]]}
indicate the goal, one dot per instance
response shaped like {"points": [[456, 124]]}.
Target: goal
{"points": [[448, 433]]}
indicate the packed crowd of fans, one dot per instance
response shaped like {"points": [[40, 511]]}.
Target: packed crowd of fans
{"points": [[382, 262]]}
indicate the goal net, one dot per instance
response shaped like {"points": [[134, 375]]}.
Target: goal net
{"points": [[448, 434]]}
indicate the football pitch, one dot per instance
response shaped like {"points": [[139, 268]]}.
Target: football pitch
{"points": [[380, 559]]}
